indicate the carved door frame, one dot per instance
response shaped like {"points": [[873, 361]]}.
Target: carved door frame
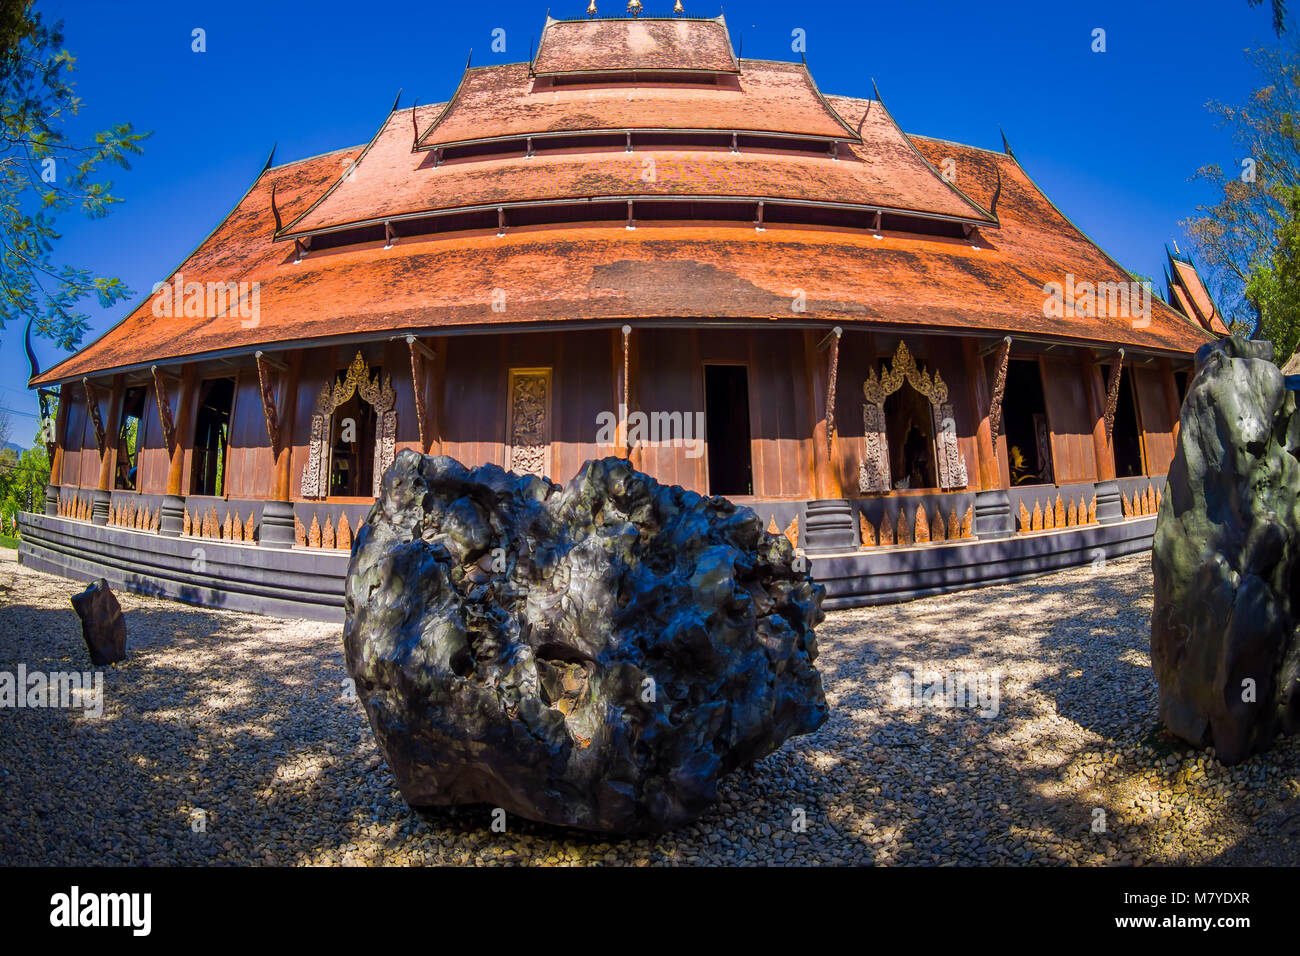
{"points": [[380, 395], [522, 412], [874, 468]]}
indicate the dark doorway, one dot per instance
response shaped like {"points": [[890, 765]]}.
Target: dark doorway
{"points": [[128, 438], [1126, 437], [726, 429], [212, 437], [1024, 418], [352, 448], [909, 430]]}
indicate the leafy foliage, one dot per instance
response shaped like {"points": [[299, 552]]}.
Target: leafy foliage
{"points": [[1273, 288], [22, 483], [1279, 14], [1236, 235], [43, 174]]}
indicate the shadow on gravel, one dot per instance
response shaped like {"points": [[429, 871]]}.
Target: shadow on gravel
{"points": [[226, 739]]}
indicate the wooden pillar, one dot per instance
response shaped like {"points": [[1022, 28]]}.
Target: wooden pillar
{"points": [[282, 448], [825, 476], [988, 474], [1103, 449], [1171, 396]]}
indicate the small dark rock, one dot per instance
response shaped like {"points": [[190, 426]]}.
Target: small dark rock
{"points": [[101, 623]]}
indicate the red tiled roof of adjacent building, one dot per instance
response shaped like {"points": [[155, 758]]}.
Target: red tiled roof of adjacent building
{"points": [[575, 274], [1194, 298], [651, 45]]}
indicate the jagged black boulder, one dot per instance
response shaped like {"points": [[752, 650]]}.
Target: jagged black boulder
{"points": [[596, 655], [1227, 557]]}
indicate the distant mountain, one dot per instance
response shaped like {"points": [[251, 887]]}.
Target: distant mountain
{"points": [[15, 446]]}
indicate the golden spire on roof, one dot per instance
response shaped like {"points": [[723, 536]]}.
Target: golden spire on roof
{"points": [[591, 8], [634, 7], [678, 8]]}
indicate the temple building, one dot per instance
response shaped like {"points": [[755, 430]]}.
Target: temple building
{"points": [[894, 348]]}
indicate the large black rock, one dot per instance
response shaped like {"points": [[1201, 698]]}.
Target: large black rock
{"points": [[1227, 557], [595, 656]]}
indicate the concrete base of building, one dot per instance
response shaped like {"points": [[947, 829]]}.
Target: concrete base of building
{"points": [[890, 575], [203, 571], [306, 583], [277, 525]]}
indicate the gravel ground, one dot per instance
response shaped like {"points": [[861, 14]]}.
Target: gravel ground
{"points": [[225, 738]]}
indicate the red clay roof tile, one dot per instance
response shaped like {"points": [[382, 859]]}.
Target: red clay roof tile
{"points": [[581, 46], [504, 101], [390, 181]]}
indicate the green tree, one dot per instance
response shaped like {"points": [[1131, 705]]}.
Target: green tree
{"points": [[22, 482], [1236, 235], [43, 174], [1273, 288]]}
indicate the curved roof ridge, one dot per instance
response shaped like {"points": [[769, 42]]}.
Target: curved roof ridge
{"points": [[48, 374], [953, 142], [446, 107], [985, 213], [388, 121], [1083, 235], [808, 77]]}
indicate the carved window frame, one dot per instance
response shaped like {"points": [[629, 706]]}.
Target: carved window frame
{"points": [[521, 456]]}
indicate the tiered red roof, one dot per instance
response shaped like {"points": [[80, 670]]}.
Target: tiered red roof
{"points": [[558, 274]]}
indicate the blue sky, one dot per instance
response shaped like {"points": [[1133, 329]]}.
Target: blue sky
{"points": [[1111, 137]]}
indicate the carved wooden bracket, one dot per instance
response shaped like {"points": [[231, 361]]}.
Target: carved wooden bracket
{"points": [[999, 388], [419, 352], [267, 387], [1112, 392], [92, 402], [627, 352], [164, 408], [831, 380]]}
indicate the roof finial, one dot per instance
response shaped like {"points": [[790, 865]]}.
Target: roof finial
{"points": [[591, 9], [634, 7], [678, 8]]}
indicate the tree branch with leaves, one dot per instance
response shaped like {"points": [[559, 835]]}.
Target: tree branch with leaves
{"points": [[44, 174]]}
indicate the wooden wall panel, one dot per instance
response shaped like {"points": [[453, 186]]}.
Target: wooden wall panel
{"points": [[148, 446], [670, 378], [473, 400], [89, 455], [857, 355], [74, 436], [315, 373], [248, 462], [1154, 415], [1064, 391]]}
